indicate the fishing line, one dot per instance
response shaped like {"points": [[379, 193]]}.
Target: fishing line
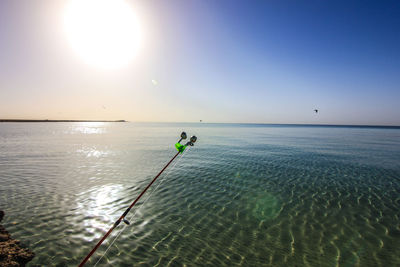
{"points": [[181, 148], [161, 181], [143, 203]]}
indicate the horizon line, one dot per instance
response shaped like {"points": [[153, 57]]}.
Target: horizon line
{"points": [[197, 122]]}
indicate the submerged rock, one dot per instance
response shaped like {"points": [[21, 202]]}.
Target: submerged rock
{"points": [[11, 253]]}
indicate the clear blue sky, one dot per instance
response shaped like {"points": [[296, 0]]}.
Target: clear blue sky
{"points": [[219, 61]]}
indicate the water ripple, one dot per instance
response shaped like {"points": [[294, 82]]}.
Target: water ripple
{"points": [[261, 196]]}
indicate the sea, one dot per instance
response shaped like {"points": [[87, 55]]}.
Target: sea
{"points": [[243, 195]]}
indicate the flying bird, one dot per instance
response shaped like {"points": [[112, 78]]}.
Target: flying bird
{"points": [[316, 110]]}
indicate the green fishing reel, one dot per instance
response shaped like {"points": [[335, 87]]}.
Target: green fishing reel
{"points": [[181, 147]]}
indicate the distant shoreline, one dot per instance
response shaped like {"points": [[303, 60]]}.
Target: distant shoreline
{"points": [[22, 120]]}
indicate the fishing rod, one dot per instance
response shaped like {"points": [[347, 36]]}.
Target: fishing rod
{"points": [[180, 149]]}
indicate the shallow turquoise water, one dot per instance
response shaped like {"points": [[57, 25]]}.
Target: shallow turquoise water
{"points": [[244, 195]]}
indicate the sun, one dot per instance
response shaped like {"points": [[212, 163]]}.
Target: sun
{"points": [[105, 33]]}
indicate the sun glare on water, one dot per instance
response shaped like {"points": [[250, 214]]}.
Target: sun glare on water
{"points": [[105, 33]]}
